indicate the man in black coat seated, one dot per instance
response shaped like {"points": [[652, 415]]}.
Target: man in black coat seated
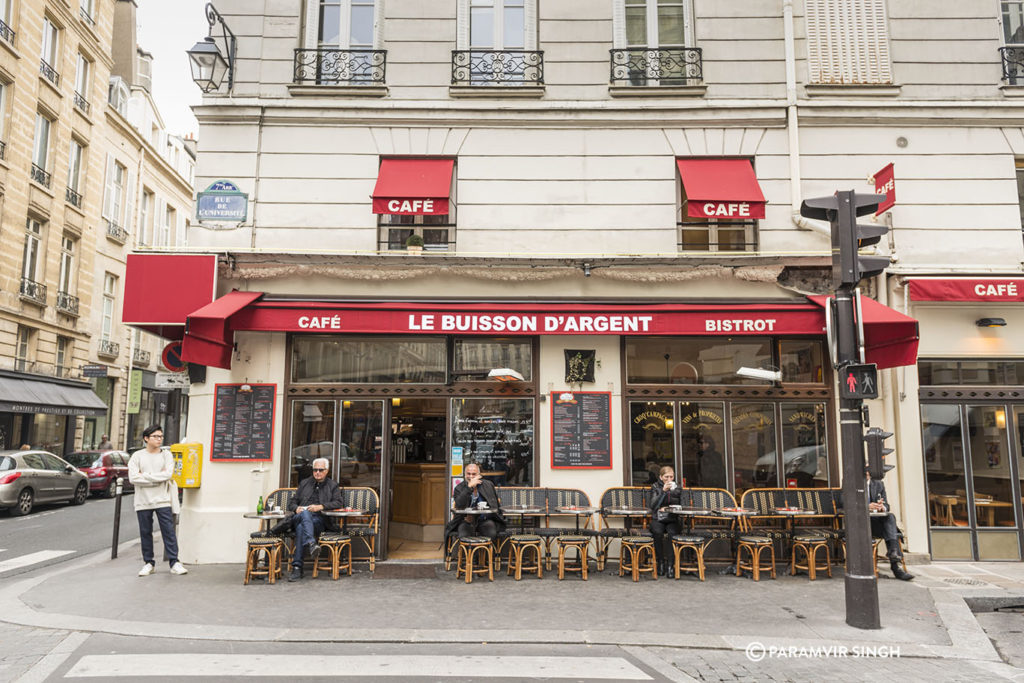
{"points": [[314, 495], [884, 526], [470, 493]]}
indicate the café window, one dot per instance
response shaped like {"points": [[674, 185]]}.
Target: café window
{"points": [[715, 360], [414, 199], [719, 203], [475, 357], [970, 372], [368, 360], [497, 434]]}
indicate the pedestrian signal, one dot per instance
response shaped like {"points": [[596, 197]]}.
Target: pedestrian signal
{"points": [[858, 381]]}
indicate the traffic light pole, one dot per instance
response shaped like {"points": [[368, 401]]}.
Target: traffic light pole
{"points": [[861, 584]]}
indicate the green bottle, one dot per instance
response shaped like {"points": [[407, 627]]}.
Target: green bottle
{"points": [[259, 506]]}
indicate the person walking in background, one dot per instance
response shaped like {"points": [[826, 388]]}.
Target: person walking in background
{"points": [[105, 444], [150, 470]]}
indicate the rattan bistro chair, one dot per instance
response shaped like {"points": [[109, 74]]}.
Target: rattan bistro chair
{"points": [[263, 558], [618, 497], [335, 544], [363, 527]]}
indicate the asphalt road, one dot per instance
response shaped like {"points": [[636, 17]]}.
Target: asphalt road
{"points": [[56, 533]]}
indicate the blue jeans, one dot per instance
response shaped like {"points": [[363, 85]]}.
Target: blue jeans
{"points": [[308, 526], [165, 518]]}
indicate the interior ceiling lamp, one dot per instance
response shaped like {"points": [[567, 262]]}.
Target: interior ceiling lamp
{"points": [[990, 322], [504, 375], [208, 64], [764, 374]]}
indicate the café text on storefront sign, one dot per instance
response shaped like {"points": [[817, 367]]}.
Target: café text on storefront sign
{"points": [[553, 323]]}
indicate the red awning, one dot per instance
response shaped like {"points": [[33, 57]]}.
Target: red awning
{"points": [[890, 338], [721, 188], [160, 290], [209, 336], [413, 187], [995, 290]]}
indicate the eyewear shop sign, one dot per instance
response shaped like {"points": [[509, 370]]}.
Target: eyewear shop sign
{"points": [[797, 321], [222, 201]]}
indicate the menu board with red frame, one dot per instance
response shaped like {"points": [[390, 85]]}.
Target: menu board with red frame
{"points": [[581, 430], [243, 422]]}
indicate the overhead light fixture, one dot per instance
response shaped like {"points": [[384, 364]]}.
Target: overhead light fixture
{"points": [[209, 66], [990, 322], [669, 422], [397, 402], [504, 375], [761, 373]]}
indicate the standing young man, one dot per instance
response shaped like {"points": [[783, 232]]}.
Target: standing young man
{"points": [[150, 470]]}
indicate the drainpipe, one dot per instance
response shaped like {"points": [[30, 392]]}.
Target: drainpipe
{"points": [[793, 129]]}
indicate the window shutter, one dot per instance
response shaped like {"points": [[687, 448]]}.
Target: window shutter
{"points": [[378, 25], [462, 25], [108, 187], [689, 30], [158, 224], [619, 24], [311, 25], [530, 28], [129, 203], [179, 237], [848, 42]]}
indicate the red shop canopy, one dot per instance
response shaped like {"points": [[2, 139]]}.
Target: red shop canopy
{"points": [[160, 290], [721, 188], [997, 290], [209, 335], [890, 338], [412, 187]]}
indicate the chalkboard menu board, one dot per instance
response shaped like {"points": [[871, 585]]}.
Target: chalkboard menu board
{"points": [[581, 431], [243, 422]]}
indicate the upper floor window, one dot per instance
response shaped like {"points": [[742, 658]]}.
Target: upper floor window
{"points": [[75, 171], [5, 21], [23, 348], [848, 42], [65, 349], [654, 44], [496, 43], [117, 95], [113, 199], [146, 217], [50, 52], [109, 305], [82, 71], [41, 150], [415, 201], [170, 218], [1013, 41], [66, 283], [342, 43], [720, 202], [86, 10], [4, 90], [32, 257]]}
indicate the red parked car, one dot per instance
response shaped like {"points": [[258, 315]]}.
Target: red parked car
{"points": [[103, 468]]}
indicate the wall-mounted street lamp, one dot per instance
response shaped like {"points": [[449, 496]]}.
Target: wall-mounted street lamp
{"points": [[505, 375], [208, 64], [990, 322]]}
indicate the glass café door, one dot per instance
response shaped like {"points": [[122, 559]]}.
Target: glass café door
{"points": [[353, 444], [973, 470]]}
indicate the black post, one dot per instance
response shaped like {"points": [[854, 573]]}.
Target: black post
{"points": [[117, 518], [861, 585]]}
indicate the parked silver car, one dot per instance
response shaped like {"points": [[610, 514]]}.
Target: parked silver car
{"points": [[30, 477]]}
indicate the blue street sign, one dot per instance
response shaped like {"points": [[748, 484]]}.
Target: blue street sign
{"points": [[222, 201]]}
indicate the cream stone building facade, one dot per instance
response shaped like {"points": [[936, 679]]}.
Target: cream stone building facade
{"points": [[631, 170], [73, 169]]}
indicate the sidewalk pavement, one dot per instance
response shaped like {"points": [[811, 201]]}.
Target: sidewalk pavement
{"points": [[926, 618]]}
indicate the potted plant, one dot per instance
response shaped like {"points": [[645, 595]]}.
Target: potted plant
{"points": [[414, 244]]}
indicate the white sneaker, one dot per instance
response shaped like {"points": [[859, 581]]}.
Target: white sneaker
{"points": [[178, 568], [147, 569]]}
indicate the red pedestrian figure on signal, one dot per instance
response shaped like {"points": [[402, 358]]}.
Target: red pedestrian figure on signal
{"points": [[851, 382]]}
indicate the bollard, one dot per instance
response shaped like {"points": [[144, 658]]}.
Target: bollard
{"points": [[117, 517]]}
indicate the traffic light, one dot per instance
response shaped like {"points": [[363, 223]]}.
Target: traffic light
{"points": [[875, 440], [841, 210]]}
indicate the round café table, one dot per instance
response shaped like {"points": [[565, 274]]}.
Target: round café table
{"points": [[688, 512], [522, 512], [344, 515], [579, 511], [265, 518]]}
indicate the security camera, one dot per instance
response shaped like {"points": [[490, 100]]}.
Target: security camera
{"points": [[761, 373]]}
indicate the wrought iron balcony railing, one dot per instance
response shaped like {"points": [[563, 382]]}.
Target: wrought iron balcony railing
{"points": [[31, 290], [108, 348], [141, 357], [1013, 64], [6, 33], [49, 73], [116, 232], [67, 303], [40, 176], [330, 66], [86, 17], [497, 67], [673, 66], [73, 198], [82, 103]]}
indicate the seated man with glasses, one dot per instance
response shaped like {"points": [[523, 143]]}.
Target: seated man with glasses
{"points": [[314, 495]]}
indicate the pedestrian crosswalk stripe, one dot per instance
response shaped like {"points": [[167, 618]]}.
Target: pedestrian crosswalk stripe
{"points": [[32, 558], [355, 666]]}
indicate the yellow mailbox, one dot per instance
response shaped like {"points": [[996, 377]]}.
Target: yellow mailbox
{"points": [[188, 464]]}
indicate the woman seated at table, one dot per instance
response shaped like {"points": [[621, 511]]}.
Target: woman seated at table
{"points": [[664, 492], [470, 493]]}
